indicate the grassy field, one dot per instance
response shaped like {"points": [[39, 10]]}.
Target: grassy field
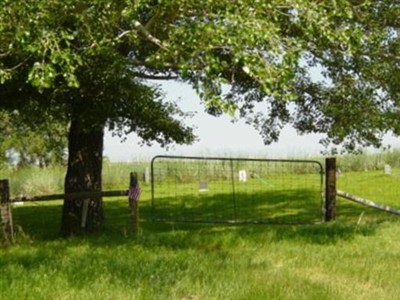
{"points": [[355, 257]]}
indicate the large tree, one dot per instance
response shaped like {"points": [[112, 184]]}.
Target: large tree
{"points": [[89, 62]]}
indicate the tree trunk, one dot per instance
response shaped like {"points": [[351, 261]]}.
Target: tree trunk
{"points": [[85, 155]]}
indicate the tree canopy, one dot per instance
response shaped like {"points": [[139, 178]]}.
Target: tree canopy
{"points": [[89, 62], [66, 55], [23, 143], [262, 49]]}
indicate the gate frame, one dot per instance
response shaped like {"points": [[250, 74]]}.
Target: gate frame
{"points": [[323, 204]]}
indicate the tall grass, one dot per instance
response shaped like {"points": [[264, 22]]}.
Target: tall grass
{"points": [[50, 180], [185, 170], [369, 161], [116, 175], [35, 181]]}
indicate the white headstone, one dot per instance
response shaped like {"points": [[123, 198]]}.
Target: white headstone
{"points": [[146, 175], [388, 169], [203, 186], [242, 176]]}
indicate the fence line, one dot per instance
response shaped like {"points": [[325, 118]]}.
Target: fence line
{"points": [[371, 179], [366, 202], [109, 194], [6, 201]]}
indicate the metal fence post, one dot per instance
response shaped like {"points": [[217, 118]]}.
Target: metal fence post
{"points": [[233, 191], [6, 214], [330, 189]]}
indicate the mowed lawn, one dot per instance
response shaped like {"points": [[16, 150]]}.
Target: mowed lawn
{"points": [[355, 257]]}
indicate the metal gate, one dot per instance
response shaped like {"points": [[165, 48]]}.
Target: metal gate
{"points": [[236, 190]]}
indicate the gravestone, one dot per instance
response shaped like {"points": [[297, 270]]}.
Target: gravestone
{"points": [[388, 169], [203, 186], [242, 176]]}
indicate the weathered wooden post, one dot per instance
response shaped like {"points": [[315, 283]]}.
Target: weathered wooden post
{"points": [[133, 198], [330, 189], [6, 214]]}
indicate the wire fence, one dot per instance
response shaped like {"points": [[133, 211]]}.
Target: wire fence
{"points": [[380, 184], [237, 190]]}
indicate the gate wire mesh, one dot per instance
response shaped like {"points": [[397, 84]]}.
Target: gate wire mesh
{"points": [[236, 190]]}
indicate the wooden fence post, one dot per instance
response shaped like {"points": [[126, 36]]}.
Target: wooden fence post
{"points": [[133, 198], [6, 214], [330, 189]]}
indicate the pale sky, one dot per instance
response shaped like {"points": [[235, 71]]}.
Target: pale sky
{"points": [[218, 137]]}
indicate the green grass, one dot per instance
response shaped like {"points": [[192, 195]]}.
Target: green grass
{"points": [[371, 185], [174, 261], [250, 202], [374, 185], [35, 181], [355, 257]]}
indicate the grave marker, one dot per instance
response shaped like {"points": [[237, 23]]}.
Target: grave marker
{"points": [[242, 176], [203, 186], [388, 169]]}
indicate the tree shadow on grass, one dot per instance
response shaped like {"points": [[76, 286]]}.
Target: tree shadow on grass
{"points": [[41, 223], [158, 250], [38, 221], [287, 206]]}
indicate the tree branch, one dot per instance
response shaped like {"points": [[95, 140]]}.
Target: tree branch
{"points": [[140, 28], [4, 54], [121, 35], [18, 65], [156, 77]]}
